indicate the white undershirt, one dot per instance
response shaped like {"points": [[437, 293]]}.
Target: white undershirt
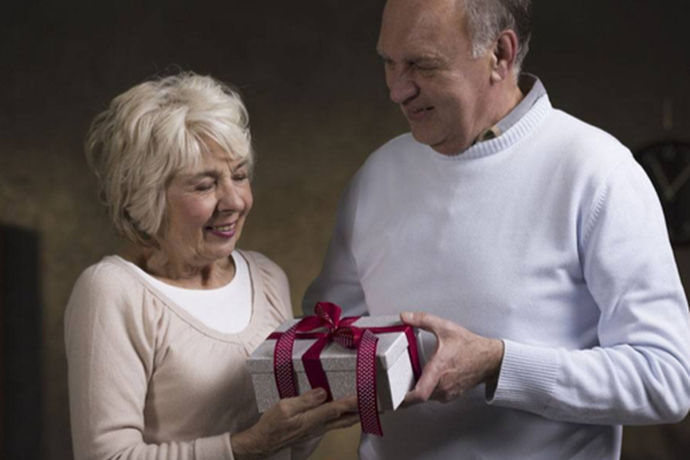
{"points": [[226, 309]]}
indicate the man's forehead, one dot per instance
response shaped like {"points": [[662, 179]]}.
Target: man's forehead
{"points": [[423, 9], [419, 30], [410, 53]]}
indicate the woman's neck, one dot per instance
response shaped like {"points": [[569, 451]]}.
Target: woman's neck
{"points": [[177, 272]]}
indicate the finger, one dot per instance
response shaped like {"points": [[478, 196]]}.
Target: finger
{"points": [[423, 320], [329, 416], [438, 395], [414, 397], [409, 401], [425, 385], [348, 404], [327, 412], [343, 422], [304, 402]]}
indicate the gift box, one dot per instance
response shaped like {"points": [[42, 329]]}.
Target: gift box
{"points": [[337, 355]]}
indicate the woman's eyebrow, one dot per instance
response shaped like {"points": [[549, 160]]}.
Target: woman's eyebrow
{"points": [[240, 165], [202, 174]]}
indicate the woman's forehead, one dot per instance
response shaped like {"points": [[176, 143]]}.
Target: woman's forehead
{"points": [[214, 161]]}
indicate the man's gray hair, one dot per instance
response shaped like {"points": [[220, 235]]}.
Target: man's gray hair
{"points": [[488, 18]]}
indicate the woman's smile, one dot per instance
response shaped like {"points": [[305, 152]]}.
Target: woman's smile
{"points": [[223, 230]]}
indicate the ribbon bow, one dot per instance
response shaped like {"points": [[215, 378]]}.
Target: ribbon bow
{"points": [[339, 330]]}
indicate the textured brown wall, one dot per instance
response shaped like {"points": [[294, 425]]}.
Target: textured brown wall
{"points": [[314, 88]]}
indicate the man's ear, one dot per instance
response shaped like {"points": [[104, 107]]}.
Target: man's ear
{"points": [[503, 56]]}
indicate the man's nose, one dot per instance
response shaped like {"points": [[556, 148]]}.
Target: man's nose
{"points": [[401, 87]]}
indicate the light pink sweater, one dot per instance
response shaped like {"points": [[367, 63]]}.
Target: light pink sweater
{"points": [[148, 380]]}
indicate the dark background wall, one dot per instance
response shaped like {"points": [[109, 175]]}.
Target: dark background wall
{"points": [[318, 104]]}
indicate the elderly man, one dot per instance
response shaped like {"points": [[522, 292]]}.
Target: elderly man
{"points": [[536, 237]]}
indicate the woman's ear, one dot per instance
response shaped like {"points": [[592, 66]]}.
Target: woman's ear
{"points": [[503, 57]]}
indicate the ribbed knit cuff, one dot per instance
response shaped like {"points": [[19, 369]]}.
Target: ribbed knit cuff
{"points": [[527, 377], [216, 447]]}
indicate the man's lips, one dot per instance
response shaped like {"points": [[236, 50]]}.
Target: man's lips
{"points": [[417, 113]]}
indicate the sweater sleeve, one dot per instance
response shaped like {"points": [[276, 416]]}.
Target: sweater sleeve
{"points": [[276, 285], [640, 372], [339, 281], [110, 339]]}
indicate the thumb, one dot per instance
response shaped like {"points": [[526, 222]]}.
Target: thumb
{"points": [[425, 385], [422, 320]]}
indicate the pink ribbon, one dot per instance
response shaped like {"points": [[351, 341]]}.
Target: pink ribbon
{"points": [[341, 331]]}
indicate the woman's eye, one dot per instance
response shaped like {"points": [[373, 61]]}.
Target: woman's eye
{"points": [[204, 186], [240, 176]]}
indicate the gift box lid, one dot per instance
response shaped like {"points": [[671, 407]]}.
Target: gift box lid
{"points": [[335, 357]]}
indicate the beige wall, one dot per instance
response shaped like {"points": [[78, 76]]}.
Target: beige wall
{"points": [[313, 85]]}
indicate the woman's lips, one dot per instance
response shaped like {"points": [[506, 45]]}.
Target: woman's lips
{"points": [[223, 231]]}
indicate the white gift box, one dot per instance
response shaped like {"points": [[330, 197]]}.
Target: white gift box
{"points": [[394, 375]]}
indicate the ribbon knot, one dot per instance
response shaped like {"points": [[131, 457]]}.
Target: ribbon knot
{"points": [[340, 331], [348, 337], [334, 329]]}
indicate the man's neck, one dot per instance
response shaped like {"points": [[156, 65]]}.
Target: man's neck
{"points": [[511, 100]]}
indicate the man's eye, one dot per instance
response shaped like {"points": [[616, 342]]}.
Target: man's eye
{"points": [[240, 176], [423, 67]]}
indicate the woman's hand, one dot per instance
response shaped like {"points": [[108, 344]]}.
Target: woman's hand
{"points": [[293, 420]]}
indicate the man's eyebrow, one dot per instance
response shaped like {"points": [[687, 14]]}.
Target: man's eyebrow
{"points": [[427, 58]]}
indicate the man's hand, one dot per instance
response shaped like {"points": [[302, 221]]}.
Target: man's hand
{"points": [[462, 360]]}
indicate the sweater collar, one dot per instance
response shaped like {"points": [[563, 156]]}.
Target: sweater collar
{"points": [[513, 127]]}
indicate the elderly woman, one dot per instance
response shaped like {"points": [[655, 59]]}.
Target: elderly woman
{"points": [[157, 339]]}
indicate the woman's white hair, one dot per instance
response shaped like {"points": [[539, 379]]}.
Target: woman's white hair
{"points": [[488, 18], [151, 132]]}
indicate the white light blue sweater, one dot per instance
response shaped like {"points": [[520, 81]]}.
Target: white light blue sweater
{"points": [[549, 237]]}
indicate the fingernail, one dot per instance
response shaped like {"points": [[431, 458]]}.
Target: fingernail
{"points": [[320, 393], [406, 316]]}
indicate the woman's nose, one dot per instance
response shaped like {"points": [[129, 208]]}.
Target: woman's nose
{"points": [[230, 198]]}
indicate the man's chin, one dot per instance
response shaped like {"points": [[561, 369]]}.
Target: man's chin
{"points": [[443, 146], [423, 137]]}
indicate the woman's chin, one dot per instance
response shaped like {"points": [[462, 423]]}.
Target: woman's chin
{"points": [[224, 251]]}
